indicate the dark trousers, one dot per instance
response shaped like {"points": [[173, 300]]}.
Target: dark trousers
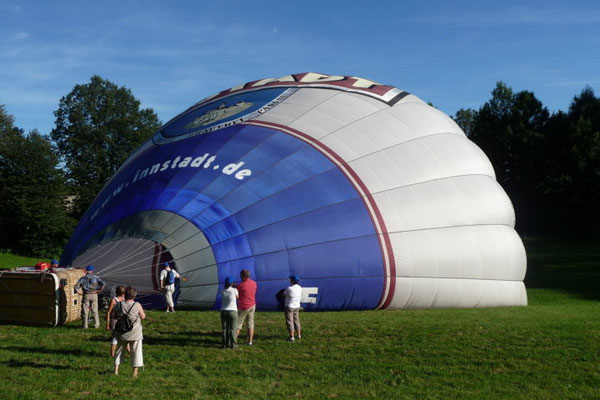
{"points": [[229, 321]]}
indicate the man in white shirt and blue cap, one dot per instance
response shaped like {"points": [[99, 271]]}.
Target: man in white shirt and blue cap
{"points": [[167, 284]]}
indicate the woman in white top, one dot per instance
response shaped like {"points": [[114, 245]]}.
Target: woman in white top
{"points": [[293, 294], [229, 315]]}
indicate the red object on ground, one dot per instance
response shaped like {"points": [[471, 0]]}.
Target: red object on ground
{"points": [[42, 266]]}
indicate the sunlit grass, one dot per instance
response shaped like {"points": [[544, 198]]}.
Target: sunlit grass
{"points": [[13, 261]]}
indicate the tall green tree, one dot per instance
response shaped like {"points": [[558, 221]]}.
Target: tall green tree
{"points": [[33, 217], [574, 167], [510, 129], [98, 125], [466, 118], [549, 165], [6, 120]]}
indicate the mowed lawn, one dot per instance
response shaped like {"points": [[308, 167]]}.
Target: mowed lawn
{"points": [[547, 350]]}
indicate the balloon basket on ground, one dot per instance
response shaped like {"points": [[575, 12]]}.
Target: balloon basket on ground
{"points": [[33, 297]]}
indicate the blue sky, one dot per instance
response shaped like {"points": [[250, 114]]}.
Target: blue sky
{"points": [[172, 54]]}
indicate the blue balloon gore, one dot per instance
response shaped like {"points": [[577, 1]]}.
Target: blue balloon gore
{"points": [[266, 201]]}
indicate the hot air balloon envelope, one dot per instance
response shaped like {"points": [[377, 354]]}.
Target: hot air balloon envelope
{"points": [[372, 197]]}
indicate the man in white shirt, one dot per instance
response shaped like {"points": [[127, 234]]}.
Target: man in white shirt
{"points": [[167, 284], [291, 311]]}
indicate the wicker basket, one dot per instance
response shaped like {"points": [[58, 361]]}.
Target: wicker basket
{"points": [[45, 298], [69, 302]]}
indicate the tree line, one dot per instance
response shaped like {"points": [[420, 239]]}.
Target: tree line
{"points": [[49, 181], [549, 164]]}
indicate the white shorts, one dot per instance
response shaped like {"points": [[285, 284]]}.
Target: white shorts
{"points": [[137, 354]]}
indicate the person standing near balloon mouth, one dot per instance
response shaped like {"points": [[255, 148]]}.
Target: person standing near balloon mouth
{"points": [[167, 284], [229, 315], [89, 285], [293, 294], [246, 304]]}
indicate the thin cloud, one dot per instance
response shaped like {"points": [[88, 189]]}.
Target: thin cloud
{"points": [[570, 82], [30, 96], [19, 36], [513, 16], [14, 8], [535, 17]]}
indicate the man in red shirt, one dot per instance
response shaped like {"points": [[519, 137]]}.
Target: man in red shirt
{"points": [[246, 303]]}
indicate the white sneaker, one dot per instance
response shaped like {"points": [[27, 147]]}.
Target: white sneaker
{"points": [[249, 343], [291, 339]]}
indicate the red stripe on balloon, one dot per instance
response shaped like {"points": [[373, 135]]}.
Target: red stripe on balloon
{"points": [[387, 252]]}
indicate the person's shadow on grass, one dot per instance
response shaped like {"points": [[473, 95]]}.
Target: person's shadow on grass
{"points": [[43, 350], [32, 364]]}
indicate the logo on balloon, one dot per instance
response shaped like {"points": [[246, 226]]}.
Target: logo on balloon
{"points": [[309, 295], [218, 114], [222, 113]]}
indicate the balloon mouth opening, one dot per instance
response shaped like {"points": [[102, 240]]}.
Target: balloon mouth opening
{"points": [[133, 250]]}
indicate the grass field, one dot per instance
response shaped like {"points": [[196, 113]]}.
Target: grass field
{"points": [[12, 261], [548, 350]]}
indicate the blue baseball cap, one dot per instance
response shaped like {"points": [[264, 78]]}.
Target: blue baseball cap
{"points": [[228, 280], [295, 278], [53, 262], [89, 268], [165, 264]]}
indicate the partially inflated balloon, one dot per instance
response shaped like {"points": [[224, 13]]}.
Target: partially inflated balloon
{"points": [[372, 197]]}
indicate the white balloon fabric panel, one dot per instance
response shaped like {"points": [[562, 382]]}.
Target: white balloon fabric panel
{"points": [[372, 197]]}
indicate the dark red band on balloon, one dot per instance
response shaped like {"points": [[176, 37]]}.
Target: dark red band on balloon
{"points": [[367, 198], [155, 269]]}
